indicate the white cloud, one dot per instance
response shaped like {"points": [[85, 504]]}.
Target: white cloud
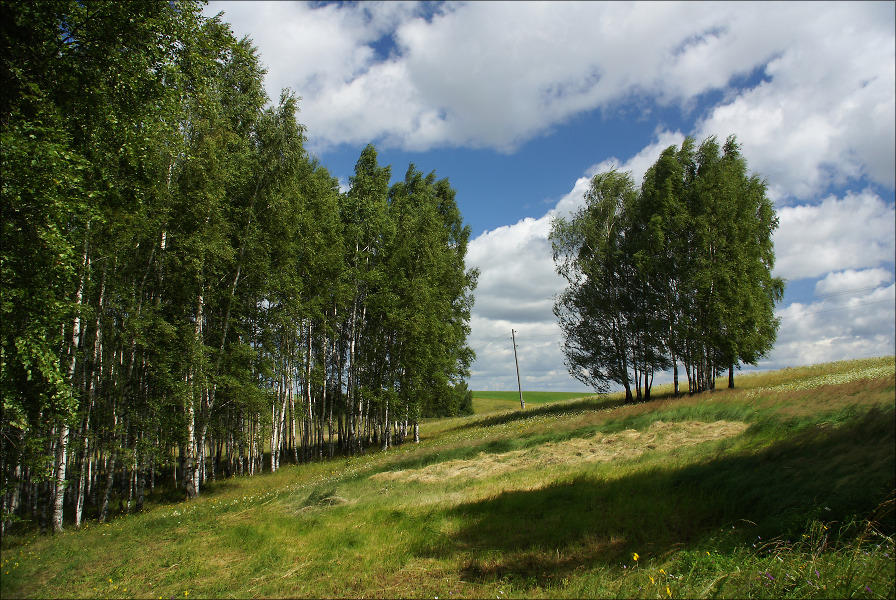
{"points": [[843, 282], [826, 113], [538, 352], [855, 231], [517, 280], [517, 284], [495, 74], [842, 326]]}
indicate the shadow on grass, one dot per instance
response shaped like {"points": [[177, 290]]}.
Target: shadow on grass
{"points": [[535, 536]]}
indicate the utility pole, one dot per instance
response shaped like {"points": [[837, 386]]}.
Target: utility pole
{"points": [[522, 402]]}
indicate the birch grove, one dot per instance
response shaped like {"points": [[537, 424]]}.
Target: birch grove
{"points": [[186, 293]]}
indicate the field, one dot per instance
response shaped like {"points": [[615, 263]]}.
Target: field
{"points": [[486, 402], [781, 488]]}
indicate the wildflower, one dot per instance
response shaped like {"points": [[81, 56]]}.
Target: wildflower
{"points": [[651, 580], [668, 591], [867, 589], [635, 557]]}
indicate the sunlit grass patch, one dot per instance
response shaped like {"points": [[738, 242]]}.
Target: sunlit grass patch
{"points": [[659, 436], [872, 371]]}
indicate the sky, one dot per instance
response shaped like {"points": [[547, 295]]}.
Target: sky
{"points": [[519, 104]]}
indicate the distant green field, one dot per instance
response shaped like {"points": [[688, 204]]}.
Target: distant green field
{"points": [[486, 402], [534, 397]]}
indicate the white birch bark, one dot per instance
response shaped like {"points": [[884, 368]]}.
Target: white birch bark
{"points": [[62, 442]]}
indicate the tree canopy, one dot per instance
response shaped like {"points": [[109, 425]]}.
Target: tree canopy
{"points": [[676, 271]]}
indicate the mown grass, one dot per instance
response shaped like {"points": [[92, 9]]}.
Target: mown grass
{"points": [[798, 505]]}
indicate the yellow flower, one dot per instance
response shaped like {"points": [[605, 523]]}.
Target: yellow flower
{"points": [[668, 591], [635, 557], [651, 580]]}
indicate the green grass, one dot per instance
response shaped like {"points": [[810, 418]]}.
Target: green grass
{"points": [[530, 397], [486, 402], [509, 503]]}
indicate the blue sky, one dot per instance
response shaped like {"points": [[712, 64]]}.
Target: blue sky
{"points": [[520, 103]]}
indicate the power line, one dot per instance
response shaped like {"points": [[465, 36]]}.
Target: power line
{"points": [[842, 293], [838, 308], [480, 354], [543, 335]]}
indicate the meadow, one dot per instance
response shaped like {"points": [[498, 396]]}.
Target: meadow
{"points": [[486, 402], [780, 488]]}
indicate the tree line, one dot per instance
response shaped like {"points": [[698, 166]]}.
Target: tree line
{"points": [[676, 271], [185, 290]]}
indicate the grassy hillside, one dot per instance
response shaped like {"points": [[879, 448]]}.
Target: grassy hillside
{"points": [[783, 487]]}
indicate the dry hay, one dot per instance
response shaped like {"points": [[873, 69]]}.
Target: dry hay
{"points": [[599, 448]]}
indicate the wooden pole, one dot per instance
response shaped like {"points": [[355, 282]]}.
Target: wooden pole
{"points": [[522, 402]]}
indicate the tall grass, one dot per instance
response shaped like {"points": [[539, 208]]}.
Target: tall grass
{"points": [[799, 505]]}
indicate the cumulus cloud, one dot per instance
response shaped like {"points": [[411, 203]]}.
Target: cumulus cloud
{"points": [[846, 323], [844, 282], [517, 284], [538, 352], [517, 278], [825, 112], [855, 231], [495, 74]]}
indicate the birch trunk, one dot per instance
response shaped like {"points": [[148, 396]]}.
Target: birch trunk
{"points": [[110, 471], [189, 450], [191, 468], [62, 442]]}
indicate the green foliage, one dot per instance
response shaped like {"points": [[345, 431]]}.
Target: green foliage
{"points": [[676, 271], [185, 289], [466, 399]]}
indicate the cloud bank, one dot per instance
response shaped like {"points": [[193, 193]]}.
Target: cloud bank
{"points": [[496, 74]]}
